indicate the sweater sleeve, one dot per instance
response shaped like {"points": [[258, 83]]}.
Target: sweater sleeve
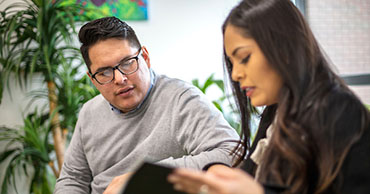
{"points": [[75, 175], [201, 130]]}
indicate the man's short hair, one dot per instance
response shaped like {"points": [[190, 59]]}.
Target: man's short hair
{"points": [[103, 29]]}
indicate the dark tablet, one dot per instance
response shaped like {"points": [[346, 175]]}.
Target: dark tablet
{"points": [[150, 178]]}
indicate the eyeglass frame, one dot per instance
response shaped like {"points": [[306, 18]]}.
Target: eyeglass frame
{"points": [[116, 68]]}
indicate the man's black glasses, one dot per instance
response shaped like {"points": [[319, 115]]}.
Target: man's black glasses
{"points": [[126, 67]]}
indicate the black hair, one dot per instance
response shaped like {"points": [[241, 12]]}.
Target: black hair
{"points": [[103, 29]]}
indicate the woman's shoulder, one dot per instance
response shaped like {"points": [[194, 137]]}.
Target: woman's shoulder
{"points": [[352, 119], [342, 103], [354, 175], [346, 112], [342, 95]]}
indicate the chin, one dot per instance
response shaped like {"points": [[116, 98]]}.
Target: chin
{"points": [[257, 104], [129, 108]]}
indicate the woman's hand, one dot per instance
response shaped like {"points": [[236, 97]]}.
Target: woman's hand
{"points": [[218, 179]]}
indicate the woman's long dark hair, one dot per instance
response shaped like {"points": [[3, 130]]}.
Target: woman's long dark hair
{"points": [[307, 148]]}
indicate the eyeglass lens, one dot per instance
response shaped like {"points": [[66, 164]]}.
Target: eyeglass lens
{"points": [[125, 67]]}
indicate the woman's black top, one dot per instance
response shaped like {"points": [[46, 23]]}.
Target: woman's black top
{"points": [[354, 176]]}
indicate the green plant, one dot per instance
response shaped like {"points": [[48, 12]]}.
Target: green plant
{"points": [[73, 90], [28, 145], [37, 36], [221, 102]]}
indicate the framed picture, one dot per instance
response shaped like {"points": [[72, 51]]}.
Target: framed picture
{"points": [[122, 9]]}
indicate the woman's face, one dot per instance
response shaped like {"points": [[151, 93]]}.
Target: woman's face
{"points": [[251, 69]]}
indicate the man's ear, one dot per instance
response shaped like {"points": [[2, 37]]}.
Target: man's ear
{"points": [[87, 72], [92, 80], [146, 55]]}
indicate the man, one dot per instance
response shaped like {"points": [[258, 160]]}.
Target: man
{"points": [[138, 116]]}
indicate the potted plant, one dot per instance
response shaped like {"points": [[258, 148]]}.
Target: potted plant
{"points": [[37, 37], [221, 103], [225, 103]]}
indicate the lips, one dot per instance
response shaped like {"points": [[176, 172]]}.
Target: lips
{"points": [[124, 90], [248, 90]]}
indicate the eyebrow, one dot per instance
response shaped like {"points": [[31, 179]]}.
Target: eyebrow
{"points": [[238, 48], [100, 69]]}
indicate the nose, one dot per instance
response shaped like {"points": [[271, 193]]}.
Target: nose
{"points": [[237, 73], [119, 78]]}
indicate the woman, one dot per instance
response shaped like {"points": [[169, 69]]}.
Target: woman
{"points": [[314, 134]]}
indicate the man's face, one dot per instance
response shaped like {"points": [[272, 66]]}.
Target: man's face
{"points": [[125, 92]]}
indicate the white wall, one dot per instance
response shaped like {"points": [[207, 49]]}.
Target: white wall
{"points": [[184, 36]]}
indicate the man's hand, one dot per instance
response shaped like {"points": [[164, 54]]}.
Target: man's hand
{"points": [[117, 183]]}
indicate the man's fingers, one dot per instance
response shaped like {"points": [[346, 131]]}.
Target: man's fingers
{"points": [[117, 183]]}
